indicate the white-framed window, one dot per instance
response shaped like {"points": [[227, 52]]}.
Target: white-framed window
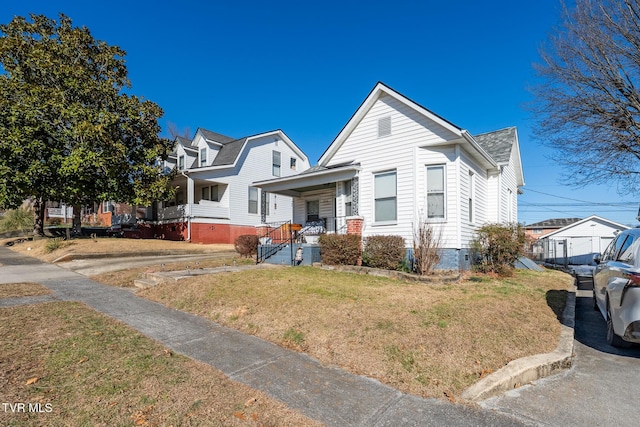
{"points": [[472, 190], [215, 196], [385, 195], [181, 162], [436, 200], [205, 194], [253, 200], [203, 157], [384, 126], [292, 163], [276, 163]]}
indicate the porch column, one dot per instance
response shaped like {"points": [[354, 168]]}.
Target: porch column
{"points": [[190, 191]]}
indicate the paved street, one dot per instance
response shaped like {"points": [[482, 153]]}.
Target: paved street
{"points": [[601, 389]]}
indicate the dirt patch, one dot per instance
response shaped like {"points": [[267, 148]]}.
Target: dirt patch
{"points": [[42, 248], [430, 340], [77, 367], [11, 290]]}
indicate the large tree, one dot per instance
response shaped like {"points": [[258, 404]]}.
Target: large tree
{"points": [[69, 131], [588, 101]]}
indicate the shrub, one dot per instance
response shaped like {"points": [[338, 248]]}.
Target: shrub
{"points": [[247, 245], [385, 252], [16, 219], [426, 248], [340, 249], [497, 247], [53, 244]]}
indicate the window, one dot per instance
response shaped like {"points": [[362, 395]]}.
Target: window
{"points": [[180, 198], [203, 157], [384, 126], [292, 163], [537, 231], [435, 192], [253, 200], [385, 196], [181, 162], [626, 251], [347, 198], [313, 210], [276, 163], [214, 193], [205, 194], [471, 195]]}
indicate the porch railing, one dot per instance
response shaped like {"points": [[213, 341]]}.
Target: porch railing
{"points": [[275, 237], [331, 225]]}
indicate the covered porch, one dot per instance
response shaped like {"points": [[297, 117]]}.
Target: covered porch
{"points": [[325, 200]]}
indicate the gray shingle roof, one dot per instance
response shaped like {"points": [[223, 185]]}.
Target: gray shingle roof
{"points": [[229, 152], [554, 223], [217, 137], [498, 143]]}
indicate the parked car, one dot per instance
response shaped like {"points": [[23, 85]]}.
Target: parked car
{"points": [[616, 288]]}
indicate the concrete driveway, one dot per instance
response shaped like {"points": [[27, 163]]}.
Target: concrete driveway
{"points": [[601, 389]]}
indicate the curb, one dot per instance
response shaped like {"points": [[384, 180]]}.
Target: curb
{"points": [[527, 369]]}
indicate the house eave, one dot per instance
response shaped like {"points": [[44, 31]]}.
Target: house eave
{"points": [[295, 185]]}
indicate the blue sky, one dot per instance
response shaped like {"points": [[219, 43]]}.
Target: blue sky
{"points": [[246, 67]]}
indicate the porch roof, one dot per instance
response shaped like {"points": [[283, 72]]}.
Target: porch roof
{"points": [[315, 178]]}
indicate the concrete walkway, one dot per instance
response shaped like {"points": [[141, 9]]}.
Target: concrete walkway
{"points": [[330, 395]]}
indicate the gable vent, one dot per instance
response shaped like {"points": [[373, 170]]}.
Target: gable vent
{"points": [[384, 126]]}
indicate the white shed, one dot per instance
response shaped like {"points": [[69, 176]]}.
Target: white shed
{"points": [[579, 241]]}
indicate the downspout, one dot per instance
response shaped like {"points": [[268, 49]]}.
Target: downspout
{"points": [[188, 207]]}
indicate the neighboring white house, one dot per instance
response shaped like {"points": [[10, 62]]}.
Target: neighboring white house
{"points": [[578, 242], [396, 163], [215, 201]]}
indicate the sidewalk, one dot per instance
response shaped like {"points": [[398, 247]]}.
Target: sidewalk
{"points": [[330, 395]]}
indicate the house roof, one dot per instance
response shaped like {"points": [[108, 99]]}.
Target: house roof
{"points": [[229, 152], [554, 223], [498, 143], [215, 137], [231, 149], [491, 149], [314, 178], [590, 218]]}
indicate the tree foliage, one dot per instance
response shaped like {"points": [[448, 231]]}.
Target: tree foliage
{"points": [[69, 131], [588, 103]]}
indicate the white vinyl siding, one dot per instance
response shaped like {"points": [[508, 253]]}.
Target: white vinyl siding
{"points": [[385, 193]]}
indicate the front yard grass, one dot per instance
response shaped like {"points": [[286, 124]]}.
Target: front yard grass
{"points": [[76, 367], [431, 340]]}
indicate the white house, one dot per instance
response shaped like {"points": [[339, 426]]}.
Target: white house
{"points": [[396, 163], [578, 242], [215, 200]]}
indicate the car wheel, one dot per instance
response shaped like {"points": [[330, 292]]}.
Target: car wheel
{"points": [[612, 338]]}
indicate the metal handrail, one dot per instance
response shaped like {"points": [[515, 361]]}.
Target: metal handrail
{"points": [[276, 238]]}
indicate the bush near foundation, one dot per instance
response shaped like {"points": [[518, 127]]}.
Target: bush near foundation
{"points": [[247, 245], [340, 249], [497, 247], [385, 252]]}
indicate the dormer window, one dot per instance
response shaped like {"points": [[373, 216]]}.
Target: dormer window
{"points": [[181, 162], [203, 157]]}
